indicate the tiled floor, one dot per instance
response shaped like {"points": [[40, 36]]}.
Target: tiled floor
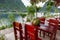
{"points": [[9, 34]]}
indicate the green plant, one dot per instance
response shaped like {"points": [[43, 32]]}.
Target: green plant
{"points": [[22, 15], [56, 10], [9, 26], [38, 8], [2, 37], [11, 17], [36, 22], [47, 14], [36, 1], [28, 20], [49, 5], [31, 10], [3, 27]]}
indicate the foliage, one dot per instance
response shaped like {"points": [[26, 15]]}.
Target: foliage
{"points": [[47, 14], [38, 8], [7, 26], [31, 9], [36, 1], [11, 17], [3, 27], [22, 15], [56, 10], [48, 8], [28, 20], [49, 5], [30, 12], [2, 37]]}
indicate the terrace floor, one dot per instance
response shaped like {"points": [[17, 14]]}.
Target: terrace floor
{"points": [[9, 34]]}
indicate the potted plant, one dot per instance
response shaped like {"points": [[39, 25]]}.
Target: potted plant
{"points": [[30, 11]]}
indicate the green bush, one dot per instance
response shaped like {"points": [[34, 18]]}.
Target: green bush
{"points": [[10, 26], [3, 27], [7, 26], [2, 37]]}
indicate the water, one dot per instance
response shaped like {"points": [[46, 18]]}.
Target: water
{"points": [[4, 20]]}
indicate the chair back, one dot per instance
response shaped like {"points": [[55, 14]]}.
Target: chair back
{"points": [[42, 20], [53, 24], [17, 27], [31, 32]]}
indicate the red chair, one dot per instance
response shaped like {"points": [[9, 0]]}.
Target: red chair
{"points": [[51, 29], [59, 23], [42, 20], [32, 32], [18, 28]]}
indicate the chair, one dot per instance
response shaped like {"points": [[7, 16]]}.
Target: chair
{"points": [[42, 20], [32, 32], [51, 29], [59, 23], [18, 28]]}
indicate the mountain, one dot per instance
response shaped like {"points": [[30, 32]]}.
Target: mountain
{"points": [[11, 5]]}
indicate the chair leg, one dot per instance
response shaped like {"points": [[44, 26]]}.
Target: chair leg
{"points": [[48, 34], [54, 36], [21, 35], [51, 37], [15, 38], [40, 33], [43, 34], [15, 35]]}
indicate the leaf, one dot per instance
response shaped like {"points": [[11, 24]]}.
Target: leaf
{"points": [[48, 8], [23, 15], [31, 9]]}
